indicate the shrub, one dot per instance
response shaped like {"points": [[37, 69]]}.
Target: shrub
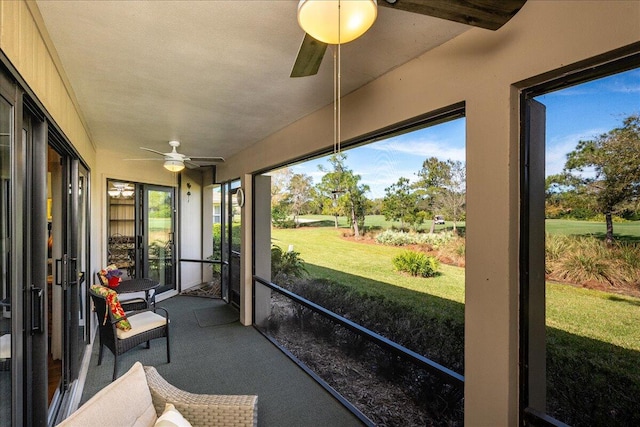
{"points": [[399, 238], [416, 264], [438, 336], [285, 265], [582, 259]]}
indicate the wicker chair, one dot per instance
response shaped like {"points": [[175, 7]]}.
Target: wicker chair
{"points": [[202, 410], [145, 326]]}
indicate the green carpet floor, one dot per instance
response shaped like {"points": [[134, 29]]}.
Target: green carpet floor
{"points": [[227, 359]]}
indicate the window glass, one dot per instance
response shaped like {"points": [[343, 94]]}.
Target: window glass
{"points": [[376, 234], [592, 251], [5, 266]]}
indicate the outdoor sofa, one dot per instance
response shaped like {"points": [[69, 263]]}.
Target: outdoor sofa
{"points": [[140, 396]]}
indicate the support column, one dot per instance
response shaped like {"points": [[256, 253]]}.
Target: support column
{"points": [[262, 245]]}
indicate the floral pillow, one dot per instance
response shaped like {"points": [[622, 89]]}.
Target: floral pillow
{"points": [[110, 276], [113, 304]]}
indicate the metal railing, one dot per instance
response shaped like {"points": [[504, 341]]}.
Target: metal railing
{"points": [[204, 261], [445, 374]]}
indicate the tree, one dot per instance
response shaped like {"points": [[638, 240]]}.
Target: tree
{"points": [[443, 184], [452, 198], [279, 182], [356, 202], [400, 203], [331, 187], [606, 170], [300, 193], [342, 193]]}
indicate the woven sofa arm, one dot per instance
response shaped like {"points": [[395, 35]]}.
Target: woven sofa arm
{"points": [[202, 409]]}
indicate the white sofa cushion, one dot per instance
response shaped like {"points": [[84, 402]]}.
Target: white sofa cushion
{"points": [[124, 402], [141, 322], [171, 417]]}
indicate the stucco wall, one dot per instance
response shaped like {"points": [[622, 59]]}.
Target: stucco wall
{"points": [[479, 68]]}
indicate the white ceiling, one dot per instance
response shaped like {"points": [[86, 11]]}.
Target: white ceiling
{"points": [[211, 74]]}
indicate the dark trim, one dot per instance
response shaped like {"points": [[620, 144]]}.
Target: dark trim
{"points": [[623, 59], [203, 261], [524, 259], [442, 372], [537, 418]]}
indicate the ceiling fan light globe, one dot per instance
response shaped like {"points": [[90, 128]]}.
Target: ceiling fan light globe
{"points": [[174, 165], [319, 19]]}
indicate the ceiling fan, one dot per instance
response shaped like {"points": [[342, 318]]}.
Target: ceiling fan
{"points": [[121, 190], [488, 14], [175, 162]]}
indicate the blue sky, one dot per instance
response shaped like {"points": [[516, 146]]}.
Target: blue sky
{"points": [[573, 114]]}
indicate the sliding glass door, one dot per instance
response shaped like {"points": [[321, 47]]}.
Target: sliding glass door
{"points": [[6, 209]]}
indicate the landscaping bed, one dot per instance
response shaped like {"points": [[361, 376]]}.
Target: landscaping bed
{"points": [[389, 391]]}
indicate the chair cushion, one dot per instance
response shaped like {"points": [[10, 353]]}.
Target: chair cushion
{"points": [[124, 402], [111, 297], [5, 346], [142, 322]]}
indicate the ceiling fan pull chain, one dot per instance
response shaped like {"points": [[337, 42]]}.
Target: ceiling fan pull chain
{"points": [[338, 88]]}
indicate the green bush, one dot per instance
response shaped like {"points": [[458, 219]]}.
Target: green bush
{"points": [[399, 238], [416, 264], [286, 265]]}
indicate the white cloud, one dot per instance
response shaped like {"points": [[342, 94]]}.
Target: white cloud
{"points": [[559, 147], [424, 148]]}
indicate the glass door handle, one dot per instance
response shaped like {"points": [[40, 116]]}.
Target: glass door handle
{"points": [[58, 269], [61, 272], [37, 310]]}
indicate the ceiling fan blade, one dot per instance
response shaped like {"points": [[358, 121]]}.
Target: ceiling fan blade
{"points": [[488, 14], [190, 165], [309, 57], [207, 159], [153, 151], [147, 159]]}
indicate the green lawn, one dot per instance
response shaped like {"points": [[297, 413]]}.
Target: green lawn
{"points": [[622, 230], [367, 267], [370, 222]]}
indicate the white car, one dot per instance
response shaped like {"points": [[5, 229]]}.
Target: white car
{"points": [[438, 219]]}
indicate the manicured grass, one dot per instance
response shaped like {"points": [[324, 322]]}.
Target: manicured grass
{"points": [[367, 267], [593, 314], [370, 222], [622, 230]]}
